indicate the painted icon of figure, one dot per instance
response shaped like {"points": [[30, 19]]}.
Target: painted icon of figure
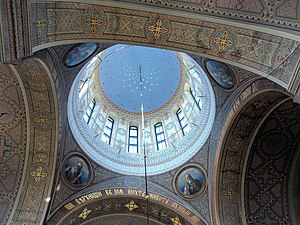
{"points": [[74, 173], [192, 185], [223, 77]]}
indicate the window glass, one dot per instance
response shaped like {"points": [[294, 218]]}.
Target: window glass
{"points": [[196, 98], [183, 122], [90, 111], [108, 130], [133, 139], [160, 136]]}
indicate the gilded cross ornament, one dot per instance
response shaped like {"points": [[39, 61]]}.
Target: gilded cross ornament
{"points": [[229, 193], [41, 120], [32, 74], [158, 29], [258, 104], [38, 174], [286, 60], [40, 23], [85, 213], [236, 142], [223, 41], [176, 221], [131, 206], [94, 22]]}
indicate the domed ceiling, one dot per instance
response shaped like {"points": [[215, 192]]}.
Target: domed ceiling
{"points": [[126, 71], [105, 103]]}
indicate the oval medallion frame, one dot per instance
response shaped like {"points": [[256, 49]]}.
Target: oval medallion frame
{"points": [[220, 80], [77, 171], [88, 49], [196, 176]]}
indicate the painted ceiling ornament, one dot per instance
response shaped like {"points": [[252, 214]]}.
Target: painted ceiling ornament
{"points": [[190, 181], [176, 221], [41, 120], [7, 112], [223, 41], [285, 61], [6, 147], [84, 214], [39, 23], [79, 53], [76, 171], [38, 174], [158, 29], [131, 206], [221, 74], [69, 206], [94, 22], [229, 193]]}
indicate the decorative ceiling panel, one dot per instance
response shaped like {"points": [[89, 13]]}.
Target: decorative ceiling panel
{"points": [[13, 136], [281, 14]]}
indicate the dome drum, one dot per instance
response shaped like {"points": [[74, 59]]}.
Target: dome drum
{"points": [[113, 136]]}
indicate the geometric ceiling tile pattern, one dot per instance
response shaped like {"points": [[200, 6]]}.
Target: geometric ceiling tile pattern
{"points": [[13, 137], [40, 144], [251, 154], [263, 53], [234, 148], [268, 167], [283, 14]]}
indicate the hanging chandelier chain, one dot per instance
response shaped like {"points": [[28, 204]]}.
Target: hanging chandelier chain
{"points": [[144, 145]]}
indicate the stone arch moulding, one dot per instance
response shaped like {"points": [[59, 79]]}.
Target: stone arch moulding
{"points": [[88, 202], [14, 139], [254, 103], [258, 49], [41, 105]]}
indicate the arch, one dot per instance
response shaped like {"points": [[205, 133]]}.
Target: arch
{"points": [[14, 140], [241, 124], [262, 51], [38, 165], [130, 190]]}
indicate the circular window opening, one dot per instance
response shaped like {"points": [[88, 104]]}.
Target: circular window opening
{"points": [[129, 100]]}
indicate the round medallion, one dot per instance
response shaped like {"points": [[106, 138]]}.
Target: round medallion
{"points": [[79, 53], [221, 74], [76, 171], [190, 181], [7, 113], [133, 182]]}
